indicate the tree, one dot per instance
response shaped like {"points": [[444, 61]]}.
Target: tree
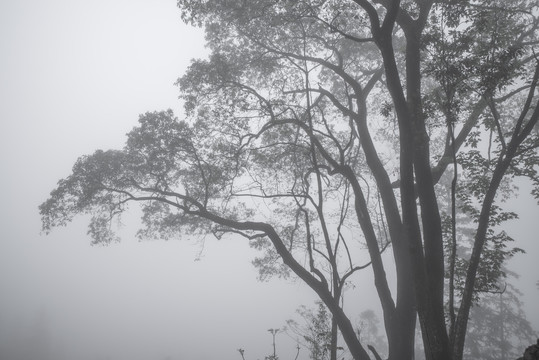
{"points": [[498, 326], [317, 127], [368, 331], [315, 333]]}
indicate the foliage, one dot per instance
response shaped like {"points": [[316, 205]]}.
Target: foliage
{"points": [[314, 332], [499, 325], [496, 252], [319, 130]]}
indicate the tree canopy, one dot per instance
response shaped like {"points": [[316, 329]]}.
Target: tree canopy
{"points": [[329, 132]]}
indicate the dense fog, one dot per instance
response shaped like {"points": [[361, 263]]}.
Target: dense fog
{"points": [[74, 76]]}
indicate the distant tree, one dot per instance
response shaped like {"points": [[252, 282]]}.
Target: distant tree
{"points": [[40, 344], [318, 128], [33, 341], [498, 328], [369, 333]]}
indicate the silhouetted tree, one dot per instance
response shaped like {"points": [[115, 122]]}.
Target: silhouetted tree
{"points": [[317, 127]]}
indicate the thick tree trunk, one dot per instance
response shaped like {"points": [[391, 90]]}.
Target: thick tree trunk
{"points": [[426, 271], [401, 336], [401, 333]]}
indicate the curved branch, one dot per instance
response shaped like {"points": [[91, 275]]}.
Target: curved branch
{"points": [[372, 13]]}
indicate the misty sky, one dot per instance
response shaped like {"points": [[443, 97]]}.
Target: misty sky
{"points": [[74, 76]]}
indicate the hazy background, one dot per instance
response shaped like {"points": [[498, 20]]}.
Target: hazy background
{"points": [[74, 76]]}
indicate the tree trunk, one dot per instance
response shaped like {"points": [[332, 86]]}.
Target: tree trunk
{"points": [[334, 333]]}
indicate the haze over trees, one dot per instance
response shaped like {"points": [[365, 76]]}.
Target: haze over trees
{"points": [[322, 132], [499, 325]]}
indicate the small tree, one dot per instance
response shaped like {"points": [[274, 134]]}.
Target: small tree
{"points": [[315, 332]]}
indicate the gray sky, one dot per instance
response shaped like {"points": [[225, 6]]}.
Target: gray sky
{"points": [[74, 76]]}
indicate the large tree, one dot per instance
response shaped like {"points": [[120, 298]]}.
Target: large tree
{"points": [[317, 128]]}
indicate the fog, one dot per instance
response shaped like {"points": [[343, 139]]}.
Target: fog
{"points": [[74, 76]]}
